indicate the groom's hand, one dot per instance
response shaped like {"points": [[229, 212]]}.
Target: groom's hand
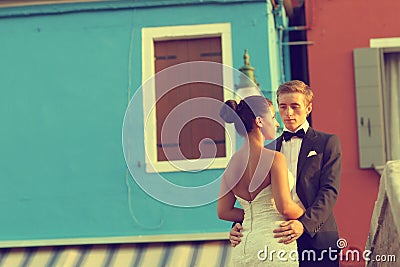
{"points": [[235, 234], [289, 231]]}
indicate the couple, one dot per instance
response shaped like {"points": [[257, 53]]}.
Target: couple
{"points": [[281, 207]]}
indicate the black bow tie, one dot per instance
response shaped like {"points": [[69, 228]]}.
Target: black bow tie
{"points": [[288, 135]]}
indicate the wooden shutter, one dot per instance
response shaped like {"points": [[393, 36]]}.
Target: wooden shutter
{"points": [[169, 53], [368, 81]]}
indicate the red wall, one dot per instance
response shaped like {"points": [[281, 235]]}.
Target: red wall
{"points": [[337, 27]]}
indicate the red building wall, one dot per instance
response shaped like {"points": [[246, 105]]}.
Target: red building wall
{"points": [[337, 27]]}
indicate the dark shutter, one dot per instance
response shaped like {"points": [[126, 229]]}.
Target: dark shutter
{"points": [[169, 53]]}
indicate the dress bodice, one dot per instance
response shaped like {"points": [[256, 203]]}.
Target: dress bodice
{"points": [[260, 219], [263, 205], [261, 209]]}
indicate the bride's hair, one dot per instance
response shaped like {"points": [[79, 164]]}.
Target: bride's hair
{"points": [[243, 114]]}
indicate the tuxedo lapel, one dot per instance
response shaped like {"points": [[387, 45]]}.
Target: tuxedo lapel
{"points": [[306, 146]]}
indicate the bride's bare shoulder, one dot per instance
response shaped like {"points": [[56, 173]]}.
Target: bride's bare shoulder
{"points": [[233, 162], [274, 153], [276, 156]]}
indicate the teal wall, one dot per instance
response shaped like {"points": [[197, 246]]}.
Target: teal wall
{"points": [[67, 73]]}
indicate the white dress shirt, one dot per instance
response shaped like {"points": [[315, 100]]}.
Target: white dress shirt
{"points": [[291, 150]]}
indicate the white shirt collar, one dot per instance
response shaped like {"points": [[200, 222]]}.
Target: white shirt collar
{"points": [[304, 126]]}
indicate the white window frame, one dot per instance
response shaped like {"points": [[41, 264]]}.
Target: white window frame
{"points": [[385, 42], [370, 103], [149, 36], [386, 45]]}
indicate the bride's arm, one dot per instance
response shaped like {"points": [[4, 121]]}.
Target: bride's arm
{"points": [[226, 208], [226, 203], [280, 189]]}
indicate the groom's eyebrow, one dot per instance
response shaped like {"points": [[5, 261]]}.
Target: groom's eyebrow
{"points": [[290, 104]]}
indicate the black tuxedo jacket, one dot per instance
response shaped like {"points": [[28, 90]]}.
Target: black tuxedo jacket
{"points": [[318, 180]]}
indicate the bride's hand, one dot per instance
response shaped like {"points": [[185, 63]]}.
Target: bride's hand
{"points": [[235, 235], [289, 231]]}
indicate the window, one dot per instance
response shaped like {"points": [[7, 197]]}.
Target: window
{"points": [[167, 54], [169, 149], [377, 77]]}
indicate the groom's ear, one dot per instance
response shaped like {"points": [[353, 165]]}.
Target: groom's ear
{"points": [[309, 108]]}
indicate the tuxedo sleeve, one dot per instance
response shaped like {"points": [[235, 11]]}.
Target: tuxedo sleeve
{"points": [[322, 206]]}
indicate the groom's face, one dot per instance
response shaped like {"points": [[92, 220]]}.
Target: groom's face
{"points": [[293, 109]]}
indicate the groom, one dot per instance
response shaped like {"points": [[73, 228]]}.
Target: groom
{"points": [[314, 158]]}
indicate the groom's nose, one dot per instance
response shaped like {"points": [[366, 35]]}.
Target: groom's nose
{"points": [[289, 111]]}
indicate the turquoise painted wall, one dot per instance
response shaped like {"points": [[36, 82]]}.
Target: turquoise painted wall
{"points": [[66, 77]]}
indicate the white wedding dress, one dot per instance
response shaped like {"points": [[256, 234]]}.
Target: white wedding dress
{"points": [[258, 247]]}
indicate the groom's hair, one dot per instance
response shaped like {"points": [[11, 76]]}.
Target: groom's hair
{"points": [[296, 86]]}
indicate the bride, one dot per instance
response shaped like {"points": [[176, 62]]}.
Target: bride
{"points": [[259, 179]]}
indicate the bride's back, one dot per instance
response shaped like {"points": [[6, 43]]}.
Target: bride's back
{"points": [[252, 171]]}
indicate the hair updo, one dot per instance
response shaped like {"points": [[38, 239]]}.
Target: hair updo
{"points": [[243, 114]]}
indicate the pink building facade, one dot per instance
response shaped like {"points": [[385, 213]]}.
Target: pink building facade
{"points": [[336, 28]]}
